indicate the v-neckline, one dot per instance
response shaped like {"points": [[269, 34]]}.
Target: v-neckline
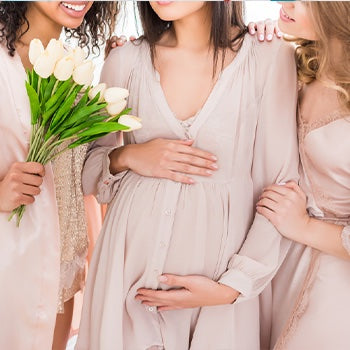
{"points": [[209, 104]]}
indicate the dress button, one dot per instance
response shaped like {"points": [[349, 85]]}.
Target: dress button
{"points": [[151, 309], [168, 212], [162, 244]]}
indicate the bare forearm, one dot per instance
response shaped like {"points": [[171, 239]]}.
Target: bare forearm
{"points": [[325, 237], [119, 159]]}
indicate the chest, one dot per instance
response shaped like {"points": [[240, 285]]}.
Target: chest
{"points": [[187, 79]]}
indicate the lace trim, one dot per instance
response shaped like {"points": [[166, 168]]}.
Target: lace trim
{"points": [[300, 305], [345, 236], [305, 127]]}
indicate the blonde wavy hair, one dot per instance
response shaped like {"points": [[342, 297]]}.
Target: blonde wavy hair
{"points": [[331, 20]]}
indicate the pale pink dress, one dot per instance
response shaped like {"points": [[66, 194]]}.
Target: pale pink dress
{"points": [[311, 307], [30, 254], [210, 228]]}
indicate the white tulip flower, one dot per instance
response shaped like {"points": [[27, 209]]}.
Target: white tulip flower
{"points": [[64, 68], [131, 121], [55, 49], [84, 73], [44, 65], [100, 88], [115, 94], [36, 48], [79, 56], [116, 108]]}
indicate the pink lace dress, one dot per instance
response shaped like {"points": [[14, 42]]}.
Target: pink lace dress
{"points": [[312, 287]]}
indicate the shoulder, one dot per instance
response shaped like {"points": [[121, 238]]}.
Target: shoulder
{"points": [[122, 61], [130, 51], [273, 51]]}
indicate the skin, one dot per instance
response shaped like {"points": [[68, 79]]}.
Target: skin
{"points": [[188, 42], [22, 182], [285, 204], [176, 160]]}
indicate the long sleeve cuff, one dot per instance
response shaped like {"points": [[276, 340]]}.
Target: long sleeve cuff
{"points": [[108, 185]]}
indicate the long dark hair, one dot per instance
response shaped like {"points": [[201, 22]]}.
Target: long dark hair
{"points": [[96, 27], [225, 15]]}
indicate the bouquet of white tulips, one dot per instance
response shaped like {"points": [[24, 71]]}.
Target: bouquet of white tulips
{"points": [[65, 107]]}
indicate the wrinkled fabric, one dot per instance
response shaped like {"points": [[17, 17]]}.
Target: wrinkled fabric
{"points": [[156, 226], [30, 254]]}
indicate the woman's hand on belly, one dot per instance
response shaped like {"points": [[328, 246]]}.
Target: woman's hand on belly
{"points": [[189, 292], [162, 158], [20, 185]]}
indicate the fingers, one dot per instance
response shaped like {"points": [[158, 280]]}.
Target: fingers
{"points": [[261, 30], [269, 29], [30, 168], [175, 280], [195, 152], [178, 177], [252, 28], [132, 38], [29, 190], [32, 180], [189, 169], [268, 203], [195, 161], [277, 30], [269, 215]]}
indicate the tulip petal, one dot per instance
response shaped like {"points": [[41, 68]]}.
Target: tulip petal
{"points": [[115, 94], [116, 108]]}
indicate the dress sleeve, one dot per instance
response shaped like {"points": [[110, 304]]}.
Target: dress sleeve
{"points": [[96, 177], [275, 160]]}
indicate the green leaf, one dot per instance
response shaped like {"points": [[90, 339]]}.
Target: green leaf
{"points": [[61, 113], [106, 127], [49, 87], [83, 113], [94, 100], [115, 118], [34, 103], [65, 133], [64, 87]]}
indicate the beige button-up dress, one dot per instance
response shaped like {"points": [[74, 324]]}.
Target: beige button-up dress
{"points": [[156, 226]]}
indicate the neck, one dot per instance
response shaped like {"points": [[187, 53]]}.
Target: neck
{"points": [[193, 31], [37, 21]]}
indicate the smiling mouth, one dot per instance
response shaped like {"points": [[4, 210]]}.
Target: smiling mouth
{"points": [[74, 7], [285, 14]]}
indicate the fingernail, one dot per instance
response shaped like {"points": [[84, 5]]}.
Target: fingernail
{"points": [[261, 37], [279, 34], [209, 172], [281, 183], [214, 158], [214, 166], [269, 37], [162, 278], [191, 181], [252, 31]]}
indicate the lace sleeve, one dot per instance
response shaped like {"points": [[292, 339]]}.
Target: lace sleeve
{"points": [[345, 236]]}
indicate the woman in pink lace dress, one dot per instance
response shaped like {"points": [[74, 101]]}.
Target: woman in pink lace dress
{"points": [[311, 291]]}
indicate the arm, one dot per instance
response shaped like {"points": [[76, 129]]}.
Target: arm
{"points": [[275, 160], [285, 207]]}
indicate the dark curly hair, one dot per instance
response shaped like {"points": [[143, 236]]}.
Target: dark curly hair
{"points": [[95, 29]]}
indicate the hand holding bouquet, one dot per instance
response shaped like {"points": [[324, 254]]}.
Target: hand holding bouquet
{"points": [[65, 107]]}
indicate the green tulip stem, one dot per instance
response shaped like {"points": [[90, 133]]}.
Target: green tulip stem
{"points": [[38, 87], [55, 87]]}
